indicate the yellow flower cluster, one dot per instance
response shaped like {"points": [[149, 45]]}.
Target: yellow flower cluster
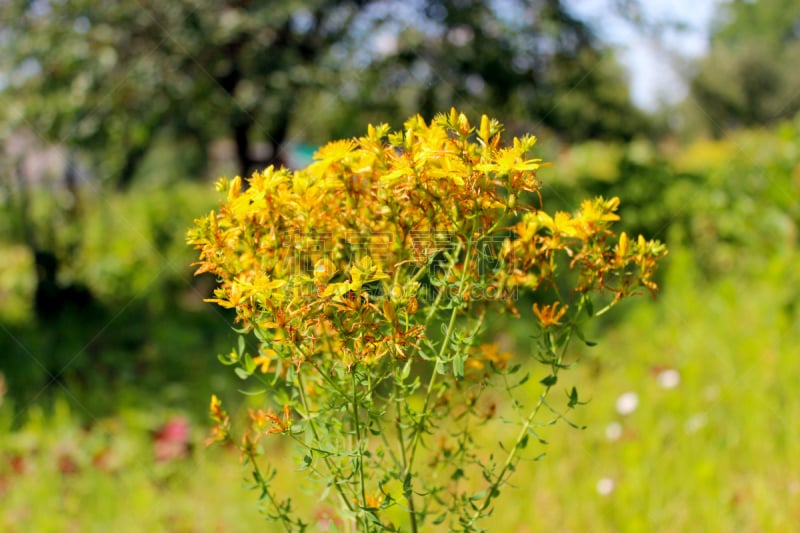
{"points": [[585, 238], [334, 260]]}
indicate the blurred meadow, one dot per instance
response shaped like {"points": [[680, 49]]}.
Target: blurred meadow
{"points": [[117, 118]]}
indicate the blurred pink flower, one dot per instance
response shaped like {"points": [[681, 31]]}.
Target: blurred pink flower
{"points": [[171, 441]]}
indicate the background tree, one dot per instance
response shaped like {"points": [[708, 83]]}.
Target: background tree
{"points": [[750, 75], [112, 79], [529, 60]]}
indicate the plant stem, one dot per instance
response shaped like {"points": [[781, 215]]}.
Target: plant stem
{"points": [[406, 488], [418, 430], [259, 477], [359, 451], [331, 467], [507, 465], [493, 489]]}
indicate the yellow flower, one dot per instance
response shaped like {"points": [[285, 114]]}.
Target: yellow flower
{"points": [[509, 160], [561, 224], [364, 272], [324, 270], [264, 360], [407, 195], [269, 421], [268, 179], [219, 432], [228, 299], [402, 172], [599, 210], [373, 502], [622, 248], [489, 352], [234, 188], [335, 150], [549, 315], [216, 408], [331, 153]]}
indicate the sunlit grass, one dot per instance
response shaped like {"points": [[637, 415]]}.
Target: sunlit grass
{"points": [[709, 446]]}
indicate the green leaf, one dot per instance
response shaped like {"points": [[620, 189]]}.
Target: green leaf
{"points": [[406, 370], [260, 334], [242, 373], [249, 364], [278, 372], [478, 496], [550, 380], [581, 337], [256, 392], [227, 360], [573, 399], [458, 365], [241, 345], [370, 515], [549, 346], [589, 307]]}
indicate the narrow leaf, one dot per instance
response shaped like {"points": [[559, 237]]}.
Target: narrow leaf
{"points": [[242, 373], [550, 380]]}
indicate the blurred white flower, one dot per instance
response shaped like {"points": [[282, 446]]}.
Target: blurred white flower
{"points": [[605, 486], [614, 431], [711, 393], [627, 403], [669, 378], [695, 423]]}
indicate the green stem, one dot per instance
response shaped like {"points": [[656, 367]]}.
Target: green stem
{"points": [[404, 456], [493, 490], [259, 477], [420, 424], [331, 467], [605, 309], [359, 452], [395, 461]]}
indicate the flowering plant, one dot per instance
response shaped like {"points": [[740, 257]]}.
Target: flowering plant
{"points": [[366, 279]]}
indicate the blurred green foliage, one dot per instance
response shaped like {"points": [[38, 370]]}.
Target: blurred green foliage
{"points": [[708, 444], [732, 202], [110, 79], [750, 75], [144, 324]]}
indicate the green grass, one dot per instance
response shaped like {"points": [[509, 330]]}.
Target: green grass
{"points": [[57, 476], [714, 453]]}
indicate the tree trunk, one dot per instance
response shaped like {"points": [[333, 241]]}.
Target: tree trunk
{"points": [[133, 159]]}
